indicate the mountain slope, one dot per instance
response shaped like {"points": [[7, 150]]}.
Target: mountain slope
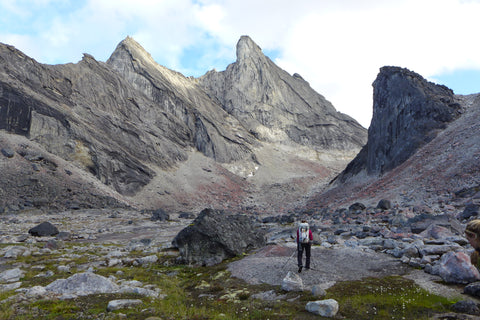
{"points": [[155, 138]]}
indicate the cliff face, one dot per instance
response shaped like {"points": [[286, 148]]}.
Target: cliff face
{"points": [[156, 138], [408, 112], [210, 129], [278, 107]]}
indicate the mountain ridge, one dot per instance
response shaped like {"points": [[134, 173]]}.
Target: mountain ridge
{"points": [[160, 139]]}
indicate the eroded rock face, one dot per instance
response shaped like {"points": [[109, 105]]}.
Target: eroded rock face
{"points": [[130, 122], [215, 235], [208, 127], [278, 107], [408, 112]]}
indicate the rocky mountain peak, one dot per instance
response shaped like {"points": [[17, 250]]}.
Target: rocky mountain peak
{"points": [[247, 48], [278, 107], [408, 112], [133, 47]]}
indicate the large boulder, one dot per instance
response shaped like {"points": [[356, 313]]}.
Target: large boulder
{"points": [[325, 308], [215, 235], [82, 284], [44, 229], [455, 267]]}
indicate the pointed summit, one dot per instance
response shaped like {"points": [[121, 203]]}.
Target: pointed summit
{"points": [[133, 48], [246, 48]]}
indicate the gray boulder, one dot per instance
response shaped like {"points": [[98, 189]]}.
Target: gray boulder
{"points": [[472, 289], [325, 308], [122, 304], [82, 284], [44, 229], [7, 152], [215, 235], [455, 267], [466, 306], [471, 210], [11, 275], [384, 204], [160, 215]]}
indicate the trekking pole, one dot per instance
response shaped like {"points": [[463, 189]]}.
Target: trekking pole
{"points": [[288, 260]]}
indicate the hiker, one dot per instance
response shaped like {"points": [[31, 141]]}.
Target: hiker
{"points": [[472, 232], [304, 242]]}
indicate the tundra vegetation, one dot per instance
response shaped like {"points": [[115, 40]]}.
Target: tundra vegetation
{"points": [[188, 292]]}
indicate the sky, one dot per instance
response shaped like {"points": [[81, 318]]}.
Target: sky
{"points": [[338, 46]]}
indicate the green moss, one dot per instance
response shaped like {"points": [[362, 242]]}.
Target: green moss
{"points": [[387, 298]]}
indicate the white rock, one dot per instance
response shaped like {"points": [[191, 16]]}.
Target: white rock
{"points": [[10, 286], [325, 308], [12, 275], [63, 268], [292, 282], [13, 252], [83, 284], [111, 262], [123, 303], [36, 292]]}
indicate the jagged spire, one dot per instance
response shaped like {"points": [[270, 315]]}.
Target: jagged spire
{"points": [[247, 48]]}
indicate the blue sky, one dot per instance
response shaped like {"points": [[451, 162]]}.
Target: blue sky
{"points": [[337, 46]]}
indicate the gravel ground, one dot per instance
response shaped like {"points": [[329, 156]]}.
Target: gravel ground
{"points": [[272, 263]]}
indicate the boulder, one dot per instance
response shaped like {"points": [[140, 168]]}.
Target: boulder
{"points": [[215, 235], [466, 306], [11, 275], [292, 282], [437, 232], [455, 267], [472, 289], [44, 229], [160, 215], [357, 207], [384, 204], [471, 210], [82, 284], [325, 308], [122, 304], [7, 152]]}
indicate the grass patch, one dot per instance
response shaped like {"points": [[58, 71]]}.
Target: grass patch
{"points": [[387, 298], [210, 293]]}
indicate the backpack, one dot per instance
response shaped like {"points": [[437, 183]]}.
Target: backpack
{"points": [[303, 233]]}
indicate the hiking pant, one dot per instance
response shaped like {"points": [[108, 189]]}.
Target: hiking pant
{"points": [[306, 247]]}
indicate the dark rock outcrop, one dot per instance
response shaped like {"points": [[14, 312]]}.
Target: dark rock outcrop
{"points": [[160, 215], [45, 229], [276, 106], [215, 235], [408, 112]]}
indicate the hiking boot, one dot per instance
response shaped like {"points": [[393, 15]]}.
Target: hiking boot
{"points": [[300, 269], [307, 268]]}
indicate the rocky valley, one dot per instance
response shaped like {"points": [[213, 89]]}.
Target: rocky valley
{"points": [[142, 169]]}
